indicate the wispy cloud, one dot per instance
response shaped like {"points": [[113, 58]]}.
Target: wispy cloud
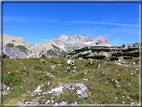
{"points": [[107, 23], [28, 19], [13, 19]]}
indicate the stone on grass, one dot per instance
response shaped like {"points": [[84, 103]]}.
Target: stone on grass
{"points": [[42, 61], [48, 101], [98, 65], [83, 93], [70, 62], [38, 89], [52, 67], [68, 68], [91, 61], [8, 88]]}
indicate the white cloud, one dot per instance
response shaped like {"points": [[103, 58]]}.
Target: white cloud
{"points": [[107, 23]]}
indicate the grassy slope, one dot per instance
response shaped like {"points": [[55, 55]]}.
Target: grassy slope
{"points": [[30, 73]]}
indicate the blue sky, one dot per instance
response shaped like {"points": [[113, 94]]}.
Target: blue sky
{"points": [[39, 22]]}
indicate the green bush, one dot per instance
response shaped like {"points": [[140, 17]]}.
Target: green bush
{"points": [[43, 56], [95, 57], [117, 54], [127, 57], [129, 49], [134, 54], [114, 58], [99, 50]]}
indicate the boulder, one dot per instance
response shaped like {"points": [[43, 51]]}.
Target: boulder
{"points": [[83, 92], [68, 68], [98, 65], [42, 61], [70, 62]]}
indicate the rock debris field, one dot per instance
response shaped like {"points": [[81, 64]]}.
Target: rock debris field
{"points": [[62, 81]]}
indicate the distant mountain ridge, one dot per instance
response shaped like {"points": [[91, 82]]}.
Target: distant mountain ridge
{"points": [[57, 47], [101, 40]]}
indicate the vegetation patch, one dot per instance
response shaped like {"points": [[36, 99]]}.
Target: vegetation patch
{"points": [[129, 49], [95, 57], [108, 83], [22, 48], [113, 59], [127, 57], [10, 45], [14, 41], [134, 54]]}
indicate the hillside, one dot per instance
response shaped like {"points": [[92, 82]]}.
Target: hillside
{"points": [[60, 72], [53, 81]]}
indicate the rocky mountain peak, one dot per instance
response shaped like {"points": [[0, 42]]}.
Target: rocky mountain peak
{"points": [[88, 39], [102, 37], [62, 36]]}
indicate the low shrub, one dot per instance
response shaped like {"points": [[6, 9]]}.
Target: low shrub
{"points": [[134, 54], [129, 49], [113, 59], [43, 56], [127, 57], [95, 57]]}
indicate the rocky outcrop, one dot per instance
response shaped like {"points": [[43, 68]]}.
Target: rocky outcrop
{"points": [[101, 41], [83, 92], [14, 52]]}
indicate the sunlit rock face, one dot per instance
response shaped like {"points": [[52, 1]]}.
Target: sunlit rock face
{"points": [[99, 41]]}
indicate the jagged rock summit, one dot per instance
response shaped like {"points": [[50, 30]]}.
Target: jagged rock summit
{"points": [[74, 38], [97, 41]]}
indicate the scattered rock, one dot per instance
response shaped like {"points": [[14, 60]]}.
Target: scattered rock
{"points": [[38, 89], [83, 93], [52, 67], [98, 65], [70, 62], [68, 68], [42, 61], [91, 61], [48, 101]]}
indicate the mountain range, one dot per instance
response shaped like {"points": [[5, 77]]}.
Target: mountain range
{"points": [[17, 47]]}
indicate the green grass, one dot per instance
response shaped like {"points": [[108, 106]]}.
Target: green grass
{"points": [[30, 73]]}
